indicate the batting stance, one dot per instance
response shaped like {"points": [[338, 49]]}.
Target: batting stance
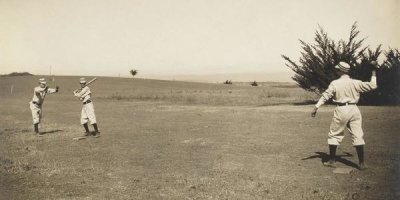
{"points": [[39, 93], [87, 113], [346, 93]]}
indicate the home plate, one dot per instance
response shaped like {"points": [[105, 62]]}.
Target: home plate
{"points": [[78, 138], [342, 170]]}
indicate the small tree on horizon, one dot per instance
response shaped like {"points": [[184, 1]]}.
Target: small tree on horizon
{"points": [[229, 82], [254, 83], [133, 72]]}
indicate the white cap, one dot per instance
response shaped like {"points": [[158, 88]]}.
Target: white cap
{"points": [[42, 81], [343, 66], [82, 80]]}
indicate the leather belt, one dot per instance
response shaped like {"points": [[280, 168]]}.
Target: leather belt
{"points": [[34, 102], [345, 104], [88, 101]]}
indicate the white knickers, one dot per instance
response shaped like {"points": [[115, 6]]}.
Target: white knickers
{"points": [[88, 114], [349, 117], [36, 112]]}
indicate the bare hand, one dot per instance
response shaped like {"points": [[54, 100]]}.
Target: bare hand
{"points": [[314, 112], [76, 91]]}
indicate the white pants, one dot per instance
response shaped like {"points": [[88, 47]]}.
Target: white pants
{"points": [[36, 112], [349, 117], [88, 114]]}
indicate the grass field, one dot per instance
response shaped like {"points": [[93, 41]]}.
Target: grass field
{"points": [[182, 140]]}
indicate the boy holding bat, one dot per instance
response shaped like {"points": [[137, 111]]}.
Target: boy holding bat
{"points": [[87, 113]]}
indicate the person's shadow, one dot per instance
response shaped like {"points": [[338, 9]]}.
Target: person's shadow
{"points": [[49, 132], [339, 158]]}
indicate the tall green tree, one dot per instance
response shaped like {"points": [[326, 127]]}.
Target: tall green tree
{"points": [[389, 79], [315, 68]]}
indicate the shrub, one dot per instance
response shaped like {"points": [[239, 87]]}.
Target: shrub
{"points": [[228, 82], [254, 83], [315, 68]]}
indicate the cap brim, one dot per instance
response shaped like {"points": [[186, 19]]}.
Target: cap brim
{"points": [[342, 69]]}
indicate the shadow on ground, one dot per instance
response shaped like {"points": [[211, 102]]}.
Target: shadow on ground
{"points": [[339, 158], [304, 103], [49, 132], [300, 103]]}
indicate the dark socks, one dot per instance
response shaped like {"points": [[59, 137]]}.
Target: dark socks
{"points": [[95, 128], [332, 152], [86, 128], [360, 153], [36, 127]]}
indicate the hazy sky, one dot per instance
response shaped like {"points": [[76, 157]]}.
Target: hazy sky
{"points": [[164, 37]]}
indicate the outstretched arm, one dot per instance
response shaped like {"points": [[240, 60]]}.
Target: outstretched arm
{"points": [[52, 90], [371, 85], [367, 86], [45, 90]]}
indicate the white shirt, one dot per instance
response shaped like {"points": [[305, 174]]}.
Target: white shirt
{"points": [[39, 94], [84, 94], [346, 90]]}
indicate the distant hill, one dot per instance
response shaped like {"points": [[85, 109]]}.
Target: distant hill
{"points": [[16, 74]]}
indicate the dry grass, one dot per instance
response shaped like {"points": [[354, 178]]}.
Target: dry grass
{"points": [[169, 146], [173, 92], [217, 95]]}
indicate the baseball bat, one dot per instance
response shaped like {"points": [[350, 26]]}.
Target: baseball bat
{"points": [[88, 83], [91, 81]]}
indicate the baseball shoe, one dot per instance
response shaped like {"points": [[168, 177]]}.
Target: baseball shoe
{"points": [[39, 134], [330, 163], [362, 167], [86, 134], [96, 134]]}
